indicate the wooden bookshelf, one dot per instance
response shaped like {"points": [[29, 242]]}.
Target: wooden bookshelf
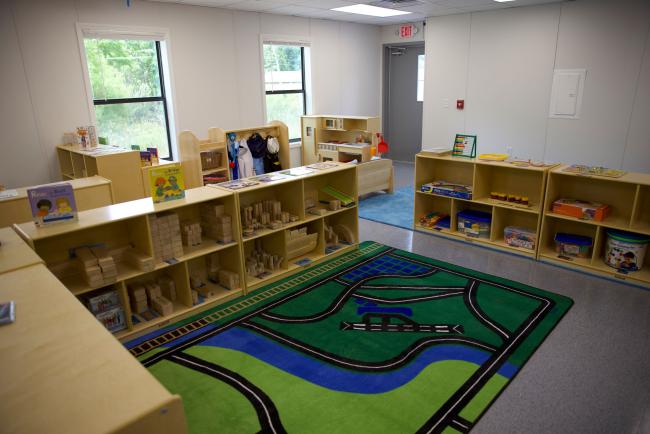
{"points": [[120, 165], [292, 191], [629, 199], [484, 177], [197, 155], [127, 226], [342, 131]]}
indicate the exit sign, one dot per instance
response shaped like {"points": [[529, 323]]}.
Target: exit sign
{"points": [[407, 31]]}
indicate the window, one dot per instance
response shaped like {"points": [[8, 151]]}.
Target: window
{"points": [[285, 83], [126, 77], [420, 96]]}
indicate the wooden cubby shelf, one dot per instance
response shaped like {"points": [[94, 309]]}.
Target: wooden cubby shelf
{"points": [[294, 194], [629, 201], [484, 177], [128, 227]]}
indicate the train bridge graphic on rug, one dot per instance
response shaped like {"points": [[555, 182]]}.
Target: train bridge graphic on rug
{"points": [[385, 340]]}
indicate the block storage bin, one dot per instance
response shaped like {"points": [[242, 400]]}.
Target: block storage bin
{"points": [[625, 250], [474, 223], [517, 236], [573, 245]]}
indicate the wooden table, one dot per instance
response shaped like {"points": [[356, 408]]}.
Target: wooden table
{"points": [[63, 372]]}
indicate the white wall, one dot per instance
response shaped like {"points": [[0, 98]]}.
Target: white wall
{"points": [[502, 63], [215, 65]]}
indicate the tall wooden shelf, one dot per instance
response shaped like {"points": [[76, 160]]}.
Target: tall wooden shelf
{"points": [[292, 192], [126, 226], [484, 177], [192, 150], [320, 129], [120, 165], [629, 199]]}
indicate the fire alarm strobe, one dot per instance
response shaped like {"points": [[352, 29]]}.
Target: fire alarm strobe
{"points": [[460, 104]]}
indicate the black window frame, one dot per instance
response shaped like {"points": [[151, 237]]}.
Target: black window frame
{"points": [[302, 89], [162, 98]]}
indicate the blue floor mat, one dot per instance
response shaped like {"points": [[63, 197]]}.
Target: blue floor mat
{"points": [[392, 209]]}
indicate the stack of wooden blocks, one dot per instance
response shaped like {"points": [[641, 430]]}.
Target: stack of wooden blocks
{"points": [[150, 294], [215, 223], [98, 267], [138, 259], [138, 297], [259, 261], [228, 279], [191, 233], [168, 287], [166, 235], [265, 214]]}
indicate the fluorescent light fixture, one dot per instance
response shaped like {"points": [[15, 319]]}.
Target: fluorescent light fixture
{"points": [[373, 11]]}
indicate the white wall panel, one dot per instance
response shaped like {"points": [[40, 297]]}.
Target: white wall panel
{"points": [[22, 155], [510, 74], [607, 38], [445, 79]]}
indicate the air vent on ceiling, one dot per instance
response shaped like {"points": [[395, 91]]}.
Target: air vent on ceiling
{"points": [[396, 4]]}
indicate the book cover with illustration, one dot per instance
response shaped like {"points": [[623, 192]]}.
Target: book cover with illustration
{"points": [[52, 204], [167, 183]]}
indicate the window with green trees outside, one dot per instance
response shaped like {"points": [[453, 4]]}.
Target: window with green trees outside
{"points": [[284, 81], [126, 77]]}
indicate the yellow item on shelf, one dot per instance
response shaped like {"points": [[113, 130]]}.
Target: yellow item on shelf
{"points": [[493, 157]]}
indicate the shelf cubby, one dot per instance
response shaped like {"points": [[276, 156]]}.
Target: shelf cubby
{"points": [[619, 196], [509, 180], [426, 203], [641, 213], [228, 260], [504, 217]]}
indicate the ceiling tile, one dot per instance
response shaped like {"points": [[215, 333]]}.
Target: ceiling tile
{"points": [[465, 3], [300, 11], [255, 5]]}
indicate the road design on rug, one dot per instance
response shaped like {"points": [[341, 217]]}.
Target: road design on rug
{"points": [[379, 298]]}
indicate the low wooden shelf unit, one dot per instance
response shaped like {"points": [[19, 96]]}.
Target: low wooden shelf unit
{"points": [[484, 178]]}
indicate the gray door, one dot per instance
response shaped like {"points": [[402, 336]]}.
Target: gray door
{"points": [[402, 111]]}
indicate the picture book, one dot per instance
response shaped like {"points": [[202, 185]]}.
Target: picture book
{"points": [[167, 182], [153, 153], [52, 204], [145, 158], [7, 312]]}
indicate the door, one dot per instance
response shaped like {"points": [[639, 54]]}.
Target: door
{"points": [[402, 110]]}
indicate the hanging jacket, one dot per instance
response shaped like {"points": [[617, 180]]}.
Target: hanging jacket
{"points": [[272, 157], [257, 145], [245, 160]]}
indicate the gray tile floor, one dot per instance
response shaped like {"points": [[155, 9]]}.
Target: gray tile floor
{"points": [[591, 375]]}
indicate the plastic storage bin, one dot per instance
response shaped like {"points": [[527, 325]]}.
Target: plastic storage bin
{"points": [[573, 245], [516, 236], [474, 223], [625, 251]]}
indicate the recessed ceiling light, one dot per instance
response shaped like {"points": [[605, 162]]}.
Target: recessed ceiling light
{"points": [[373, 11]]}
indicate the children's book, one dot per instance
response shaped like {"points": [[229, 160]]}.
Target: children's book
{"points": [[52, 204], [167, 182], [153, 154], [7, 312]]}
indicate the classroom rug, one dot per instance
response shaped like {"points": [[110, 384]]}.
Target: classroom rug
{"points": [[376, 340], [394, 209]]}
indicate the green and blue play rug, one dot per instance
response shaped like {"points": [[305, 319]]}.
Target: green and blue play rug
{"points": [[378, 340]]}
